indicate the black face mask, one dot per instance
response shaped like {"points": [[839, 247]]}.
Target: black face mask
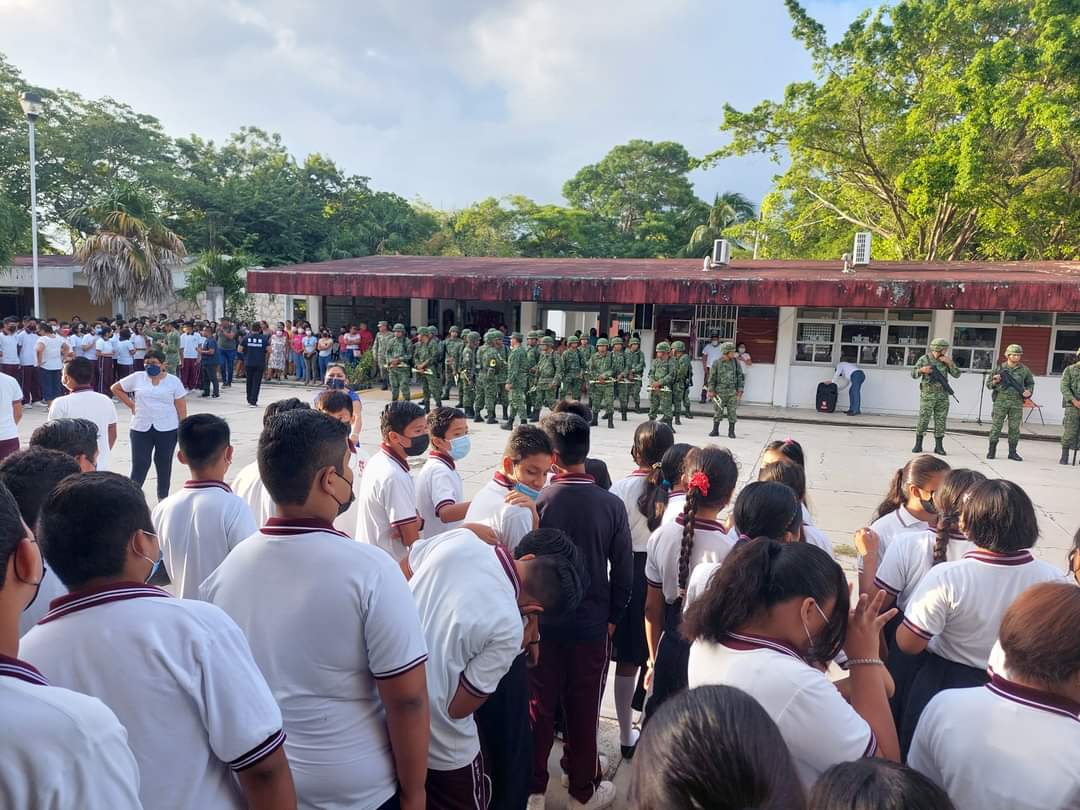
{"points": [[928, 504], [37, 585], [418, 445], [343, 507]]}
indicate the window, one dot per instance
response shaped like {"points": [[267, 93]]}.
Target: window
{"points": [[814, 342], [906, 344], [974, 347], [1066, 342], [860, 343], [714, 317], [1028, 318], [977, 317]]}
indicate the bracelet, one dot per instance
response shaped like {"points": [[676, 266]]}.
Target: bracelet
{"points": [[864, 662]]}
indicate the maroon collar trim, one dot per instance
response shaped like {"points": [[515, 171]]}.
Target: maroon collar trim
{"points": [[287, 527], [639, 474], [207, 485], [14, 668], [508, 567], [749, 641], [117, 592], [79, 388], [502, 480], [701, 524], [393, 456], [996, 558], [1033, 698], [573, 478], [900, 512], [445, 459]]}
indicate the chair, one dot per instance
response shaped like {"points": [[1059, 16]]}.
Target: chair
{"points": [[1031, 406]]}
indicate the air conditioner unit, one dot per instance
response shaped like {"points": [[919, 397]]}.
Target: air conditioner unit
{"points": [[721, 252], [860, 253]]}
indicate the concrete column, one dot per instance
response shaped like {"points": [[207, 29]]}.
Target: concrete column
{"points": [[556, 322], [314, 312], [605, 320], [941, 324], [417, 312], [528, 317], [785, 350], [648, 348]]}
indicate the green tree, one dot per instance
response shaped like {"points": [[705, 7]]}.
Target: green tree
{"points": [[213, 269], [728, 209]]}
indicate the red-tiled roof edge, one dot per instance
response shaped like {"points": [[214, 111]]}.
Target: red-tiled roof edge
{"points": [[49, 260]]}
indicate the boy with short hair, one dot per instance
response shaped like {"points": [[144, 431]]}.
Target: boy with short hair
{"points": [[199, 525], [149, 656], [85, 402], [247, 484], [440, 492], [76, 437], [339, 405], [357, 712]]}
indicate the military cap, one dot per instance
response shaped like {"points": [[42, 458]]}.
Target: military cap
{"points": [[939, 344], [678, 346], [663, 346], [570, 339], [399, 327], [455, 329], [516, 336], [547, 340], [635, 341], [602, 342], [616, 341], [1014, 348], [383, 323], [727, 346], [474, 336], [535, 333]]}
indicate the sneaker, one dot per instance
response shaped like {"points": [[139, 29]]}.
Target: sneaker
{"points": [[603, 770], [603, 796], [536, 802]]}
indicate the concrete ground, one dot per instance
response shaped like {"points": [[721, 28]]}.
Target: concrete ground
{"points": [[849, 464]]}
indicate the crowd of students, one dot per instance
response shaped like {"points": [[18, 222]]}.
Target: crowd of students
{"points": [[328, 633]]}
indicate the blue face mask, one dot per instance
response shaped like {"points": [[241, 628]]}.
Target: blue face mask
{"points": [[459, 447], [528, 492], [155, 565], [152, 370], [335, 384]]}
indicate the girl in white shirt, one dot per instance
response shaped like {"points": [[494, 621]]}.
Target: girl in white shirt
{"points": [[125, 353], [672, 500]]}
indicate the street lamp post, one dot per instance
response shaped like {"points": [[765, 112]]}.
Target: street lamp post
{"points": [[32, 107]]}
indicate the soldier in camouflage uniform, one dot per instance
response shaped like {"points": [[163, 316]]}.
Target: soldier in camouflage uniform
{"points": [[425, 362], [725, 386], [466, 375], [517, 382], [680, 400], [547, 377], [635, 368], [571, 370], [618, 368], [933, 398], [397, 363], [452, 348], [1008, 402], [532, 357], [382, 340], [602, 383], [492, 370], [1070, 399], [661, 379], [172, 349]]}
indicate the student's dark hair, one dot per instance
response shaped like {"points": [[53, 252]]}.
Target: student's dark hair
{"points": [[80, 370], [916, 472], [876, 784], [440, 419], [154, 354], [557, 577], [767, 509], [786, 472], [651, 440], [998, 515], [525, 441], [283, 406], [1031, 634], [948, 499], [397, 416], [762, 573], [789, 449], [569, 435], [294, 447], [714, 747], [77, 542], [334, 402], [202, 437], [76, 437], [125, 334], [31, 474], [11, 529], [667, 476], [721, 474], [573, 406]]}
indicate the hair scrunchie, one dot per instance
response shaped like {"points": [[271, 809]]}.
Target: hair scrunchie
{"points": [[700, 482], [666, 484]]}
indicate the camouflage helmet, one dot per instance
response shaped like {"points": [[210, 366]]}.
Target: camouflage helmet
{"points": [[603, 342], [517, 336], [474, 337], [678, 346], [383, 323], [727, 346], [570, 339], [399, 327], [616, 341], [547, 340], [663, 346], [454, 329], [635, 341], [939, 344], [1014, 348]]}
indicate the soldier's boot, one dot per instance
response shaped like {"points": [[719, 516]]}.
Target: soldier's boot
{"points": [[504, 413], [686, 411], [478, 416], [438, 403], [469, 413], [509, 423], [624, 414], [992, 452], [460, 404], [715, 428], [595, 418], [731, 430], [918, 443], [1064, 455], [939, 446], [610, 420], [677, 420], [702, 396], [667, 421], [1013, 455], [427, 407]]}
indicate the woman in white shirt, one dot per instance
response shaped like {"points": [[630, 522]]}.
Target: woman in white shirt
{"points": [[106, 361], [140, 344], [52, 350], [156, 410], [125, 353]]}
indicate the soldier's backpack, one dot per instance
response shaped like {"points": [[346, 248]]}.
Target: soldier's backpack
{"points": [[826, 397]]}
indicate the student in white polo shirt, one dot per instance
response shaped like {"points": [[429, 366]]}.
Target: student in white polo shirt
{"points": [[339, 405], [28, 376], [956, 610], [83, 401], [199, 525], [61, 749], [768, 615], [386, 506], [248, 484], [9, 348], [440, 492], [333, 626], [672, 480], [179, 674], [472, 598], [1013, 743]]}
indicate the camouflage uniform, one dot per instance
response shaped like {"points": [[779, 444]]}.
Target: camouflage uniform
{"points": [[618, 368], [452, 348], [571, 370], [933, 399], [725, 384], [635, 368], [684, 373], [382, 341], [661, 379], [504, 352], [492, 368], [602, 383], [547, 377], [517, 381], [172, 352], [1008, 402], [1070, 394], [467, 373], [532, 357], [425, 362], [397, 362]]}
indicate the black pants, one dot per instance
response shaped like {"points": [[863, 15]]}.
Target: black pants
{"points": [[161, 444], [503, 723], [208, 377], [253, 377]]}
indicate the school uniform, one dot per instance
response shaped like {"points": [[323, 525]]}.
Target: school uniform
{"points": [[815, 536], [61, 749], [675, 505], [888, 527], [387, 500], [10, 393], [820, 728], [140, 345], [957, 607], [106, 370], [86, 403], [28, 376], [51, 588], [629, 645], [466, 594], [9, 354], [1002, 745], [157, 660], [189, 360], [326, 619], [489, 507], [198, 527], [437, 486], [52, 364], [248, 487]]}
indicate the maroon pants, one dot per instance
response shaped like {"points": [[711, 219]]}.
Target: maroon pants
{"points": [[31, 385], [8, 446], [572, 673], [466, 788], [12, 370], [106, 371], [189, 373]]}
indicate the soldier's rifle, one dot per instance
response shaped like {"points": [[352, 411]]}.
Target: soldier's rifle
{"points": [[937, 376], [1009, 381]]}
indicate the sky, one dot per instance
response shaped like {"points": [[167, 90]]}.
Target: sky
{"points": [[450, 101]]}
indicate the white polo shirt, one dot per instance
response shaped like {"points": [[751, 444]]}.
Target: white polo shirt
{"points": [[326, 618], [675, 505], [910, 558], [52, 358], [155, 405], [61, 749], [711, 544], [105, 347], [180, 677], [189, 346], [437, 486], [198, 527], [10, 393], [958, 606], [125, 353], [86, 403], [386, 501], [489, 507], [818, 725], [140, 344], [27, 348], [466, 593], [887, 527], [248, 486], [9, 348], [628, 490], [89, 347], [1002, 745]]}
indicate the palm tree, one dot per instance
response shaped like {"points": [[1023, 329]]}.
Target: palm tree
{"points": [[729, 208], [214, 269], [127, 250]]}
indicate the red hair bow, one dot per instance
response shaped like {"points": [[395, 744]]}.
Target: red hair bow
{"points": [[700, 482]]}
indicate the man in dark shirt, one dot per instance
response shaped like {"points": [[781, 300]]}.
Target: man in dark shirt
{"points": [[254, 345], [574, 651], [226, 340], [209, 362]]}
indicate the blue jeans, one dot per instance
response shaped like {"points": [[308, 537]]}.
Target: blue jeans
{"points": [[228, 363], [50, 384], [324, 363], [855, 392], [298, 361]]}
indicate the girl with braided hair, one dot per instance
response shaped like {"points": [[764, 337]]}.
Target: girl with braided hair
{"points": [[672, 484], [696, 536]]}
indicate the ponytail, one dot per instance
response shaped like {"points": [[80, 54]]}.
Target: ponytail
{"points": [[950, 496], [916, 472], [651, 440], [710, 474], [894, 496], [665, 474]]}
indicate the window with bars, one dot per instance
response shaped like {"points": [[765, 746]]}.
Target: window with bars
{"points": [[710, 318]]}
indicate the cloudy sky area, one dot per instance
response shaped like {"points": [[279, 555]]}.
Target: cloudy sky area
{"points": [[448, 100]]}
